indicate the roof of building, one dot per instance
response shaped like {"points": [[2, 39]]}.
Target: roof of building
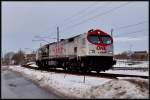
{"points": [[140, 52]]}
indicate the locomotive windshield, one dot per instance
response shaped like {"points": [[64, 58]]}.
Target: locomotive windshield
{"points": [[100, 39], [94, 39], [106, 39]]}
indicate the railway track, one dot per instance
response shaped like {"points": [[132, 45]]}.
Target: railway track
{"points": [[104, 75], [131, 68]]}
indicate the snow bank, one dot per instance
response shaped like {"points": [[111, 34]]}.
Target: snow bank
{"points": [[73, 86], [127, 88]]}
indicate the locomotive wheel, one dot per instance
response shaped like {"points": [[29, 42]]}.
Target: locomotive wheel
{"points": [[69, 68], [83, 70], [97, 71], [88, 70], [40, 67], [76, 69], [64, 68]]}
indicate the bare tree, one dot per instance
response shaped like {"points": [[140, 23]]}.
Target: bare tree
{"points": [[8, 58], [18, 57]]}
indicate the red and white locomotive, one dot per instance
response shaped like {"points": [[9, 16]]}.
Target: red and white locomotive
{"points": [[91, 51]]}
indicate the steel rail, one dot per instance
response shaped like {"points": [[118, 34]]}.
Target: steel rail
{"points": [[104, 75]]}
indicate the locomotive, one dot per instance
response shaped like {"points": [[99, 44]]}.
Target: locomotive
{"points": [[90, 51]]}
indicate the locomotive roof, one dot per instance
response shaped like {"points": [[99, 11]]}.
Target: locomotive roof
{"points": [[60, 41]]}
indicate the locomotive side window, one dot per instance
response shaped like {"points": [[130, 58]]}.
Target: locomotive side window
{"points": [[71, 40], [75, 50], [83, 41]]}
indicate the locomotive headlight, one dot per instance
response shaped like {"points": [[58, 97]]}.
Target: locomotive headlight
{"points": [[110, 52], [92, 51]]}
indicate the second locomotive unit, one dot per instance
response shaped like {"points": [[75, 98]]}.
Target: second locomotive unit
{"points": [[91, 51]]}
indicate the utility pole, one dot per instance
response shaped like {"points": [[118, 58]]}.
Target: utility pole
{"points": [[130, 47], [57, 34], [57, 41], [40, 44], [113, 43], [20, 56], [130, 51]]}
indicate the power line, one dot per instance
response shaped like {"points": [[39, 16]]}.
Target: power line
{"points": [[85, 10], [143, 35], [137, 31], [48, 37], [131, 25], [142, 30], [74, 15], [82, 14], [98, 15], [41, 40]]}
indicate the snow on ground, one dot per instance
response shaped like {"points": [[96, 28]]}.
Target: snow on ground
{"points": [[30, 63], [33, 64], [126, 63], [74, 86], [129, 88]]}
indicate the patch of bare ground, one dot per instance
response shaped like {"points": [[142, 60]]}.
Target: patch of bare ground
{"points": [[143, 85]]}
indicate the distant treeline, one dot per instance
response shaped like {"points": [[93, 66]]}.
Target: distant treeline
{"points": [[17, 58], [13, 58], [133, 55]]}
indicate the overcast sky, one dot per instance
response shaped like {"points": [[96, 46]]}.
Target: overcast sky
{"points": [[23, 21]]}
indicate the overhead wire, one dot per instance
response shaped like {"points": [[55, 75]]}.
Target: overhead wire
{"points": [[131, 25], [98, 15], [103, 13], [142, 30], [74, 15], [82, 13]]}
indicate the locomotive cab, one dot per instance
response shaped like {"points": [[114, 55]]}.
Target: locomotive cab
{"points": [[100, 47], [99, 43]]}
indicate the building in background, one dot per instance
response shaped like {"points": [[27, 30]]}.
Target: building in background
{"points": [[135, 55], [140, 55]]}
